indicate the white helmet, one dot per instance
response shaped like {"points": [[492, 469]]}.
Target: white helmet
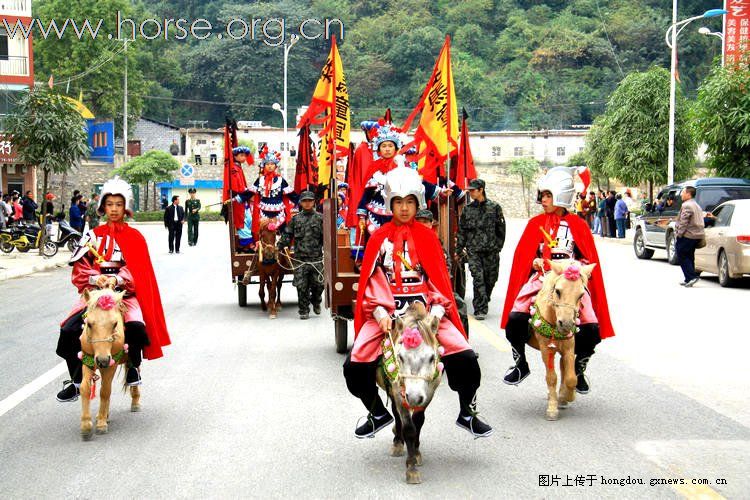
{"points": [[116, 186], [559, 182], [402, 182]]}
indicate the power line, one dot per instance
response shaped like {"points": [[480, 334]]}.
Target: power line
{"points": [[612, 47]]}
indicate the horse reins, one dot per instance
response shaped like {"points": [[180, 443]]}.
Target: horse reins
{"points": [[400, 376]]}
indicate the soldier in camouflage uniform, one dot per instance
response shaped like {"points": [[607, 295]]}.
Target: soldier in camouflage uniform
{"points": [[306, 230], [481, 235], [193, 216]]}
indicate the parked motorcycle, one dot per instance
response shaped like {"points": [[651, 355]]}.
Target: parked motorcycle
{"points": [[24, 236], [67, 236]]}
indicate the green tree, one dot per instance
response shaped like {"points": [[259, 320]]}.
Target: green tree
{"points": [[526, 168], [154, 166], [722, 120], [631, 143], [48, 132]]}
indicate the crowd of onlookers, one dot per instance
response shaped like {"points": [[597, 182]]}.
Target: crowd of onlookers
{"points": [[15, 208], [608, 212]]}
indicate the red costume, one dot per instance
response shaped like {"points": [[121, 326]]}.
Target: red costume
{"points": [[526, 251]]}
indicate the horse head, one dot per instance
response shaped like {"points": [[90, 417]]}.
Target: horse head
{"points": [[103, 328], [268, 241], [563, 290], [417, 351]]}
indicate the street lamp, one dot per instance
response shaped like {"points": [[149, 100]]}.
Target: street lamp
{"points": [[671, 39], [706, 31], [287, 47]]}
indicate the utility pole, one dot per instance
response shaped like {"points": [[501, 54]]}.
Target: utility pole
{"points": [[125, 109]]}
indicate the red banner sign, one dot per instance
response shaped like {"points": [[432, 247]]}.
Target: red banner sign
{"points": [[736, 31], [7, 151]]}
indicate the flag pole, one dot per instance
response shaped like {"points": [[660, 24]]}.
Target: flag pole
{"points": [[333, 126], [447, 242]]}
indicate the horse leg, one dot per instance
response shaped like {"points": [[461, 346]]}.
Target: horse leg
{"points": [[569, 373], [104, 396], [547, 353], [261, 290], [87, 427], [397, 448], [279, 282], [272, 297], [135, 398], [418, 419], [410, 437]]}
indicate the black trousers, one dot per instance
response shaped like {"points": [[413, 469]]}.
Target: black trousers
{"points": [[685, 250], [462, 369], [175, 235], [69, 344], [518, 332]]}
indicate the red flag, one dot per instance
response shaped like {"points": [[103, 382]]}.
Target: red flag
{"points": [[306, 174], [464, 166], [234, 177]]}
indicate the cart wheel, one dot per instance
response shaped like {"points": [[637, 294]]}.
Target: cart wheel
{"points": [[341, 335], [242, 295]]}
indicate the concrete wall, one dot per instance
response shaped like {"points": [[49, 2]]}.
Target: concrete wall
{"points": [[155, 136]]}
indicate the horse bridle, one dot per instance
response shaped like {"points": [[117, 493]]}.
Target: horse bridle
{"points": [[401, 375], [555, 303]]}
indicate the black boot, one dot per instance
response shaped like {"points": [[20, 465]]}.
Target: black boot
{"points": [[133, 377], [373, 424], [519, 371], [582, 386], [69, 393], [468, 419]]}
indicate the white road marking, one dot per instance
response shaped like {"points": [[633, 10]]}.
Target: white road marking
{"points": [[29, 389]]}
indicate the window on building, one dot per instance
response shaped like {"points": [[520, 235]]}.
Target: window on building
{"points": [[496, 151], [3, 45], [517, 151], [201, 141], [561, 151]]}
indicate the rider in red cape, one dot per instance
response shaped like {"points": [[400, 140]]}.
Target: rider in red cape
{"points": [[403, 264], [554, 234], [114, 256]]}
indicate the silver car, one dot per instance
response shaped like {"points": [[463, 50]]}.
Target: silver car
{"points": [[727, 250]]}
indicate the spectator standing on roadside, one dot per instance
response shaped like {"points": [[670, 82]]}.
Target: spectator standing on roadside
{"points": [[4, 210], [75, 214], [611, 225], [92, 213], [690, 231], [590, 210], [17, 208], [621, 215], [600, 226], [29, 207]]}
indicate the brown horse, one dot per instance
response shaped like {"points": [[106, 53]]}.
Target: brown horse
{"points": [[411, 372], [102, 348], [553, 321], [270, 272]]}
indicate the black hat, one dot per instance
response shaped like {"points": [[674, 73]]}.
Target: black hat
{"points": [[191, 190], [307, 195], [476, 184], [425, 214]]}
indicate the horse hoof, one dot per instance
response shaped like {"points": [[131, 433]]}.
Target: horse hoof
{"points": [[552, 416], [272, 316], [102, 430], [562, 404], [418, 457], [397, 450], [135, 408], [413, 477], [87, 434]]}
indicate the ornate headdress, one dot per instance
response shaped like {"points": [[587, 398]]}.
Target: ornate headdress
{"points": [[386, 132], [270, 157], [402, 182], [116, 186], [241, 149]]}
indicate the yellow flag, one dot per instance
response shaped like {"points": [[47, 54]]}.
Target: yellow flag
{"points": [[436, 136], [329, 107]]}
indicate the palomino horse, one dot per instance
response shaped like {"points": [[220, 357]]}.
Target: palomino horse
{"points": [[270, 272], [554, 317], [411, 371], [102, 348]]}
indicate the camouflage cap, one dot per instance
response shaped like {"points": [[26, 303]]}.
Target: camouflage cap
{"points": [[425, 214], [476, 184], [307, 195]]}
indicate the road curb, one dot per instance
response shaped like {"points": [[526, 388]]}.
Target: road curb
{"points": [[6, 274]]}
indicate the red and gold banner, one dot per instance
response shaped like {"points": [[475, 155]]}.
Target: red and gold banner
{"points": [[736, 32]]}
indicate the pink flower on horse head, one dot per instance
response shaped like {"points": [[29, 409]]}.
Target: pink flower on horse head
{"points": [[572, 273], [273, 226], [106, 302], [411, 338]]}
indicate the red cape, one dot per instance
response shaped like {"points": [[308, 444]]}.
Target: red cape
{"points": [[526, 252], [431, 257], [135, 251], [361, 162]]}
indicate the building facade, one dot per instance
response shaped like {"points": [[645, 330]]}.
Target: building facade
{"points": [[16, 75]]}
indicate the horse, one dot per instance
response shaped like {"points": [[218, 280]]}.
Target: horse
{"points": [[410, 373], [270, 272], [554, 320], [103, 347]]}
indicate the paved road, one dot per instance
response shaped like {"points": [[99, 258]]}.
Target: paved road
{"points": [[243, 406]]}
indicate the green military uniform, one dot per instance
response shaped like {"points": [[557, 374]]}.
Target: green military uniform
{"points": [[481, 234], [92, 214], [193, 216], [306, 230]]}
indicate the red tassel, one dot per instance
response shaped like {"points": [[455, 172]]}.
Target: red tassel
{"points": [[92, 395]]}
